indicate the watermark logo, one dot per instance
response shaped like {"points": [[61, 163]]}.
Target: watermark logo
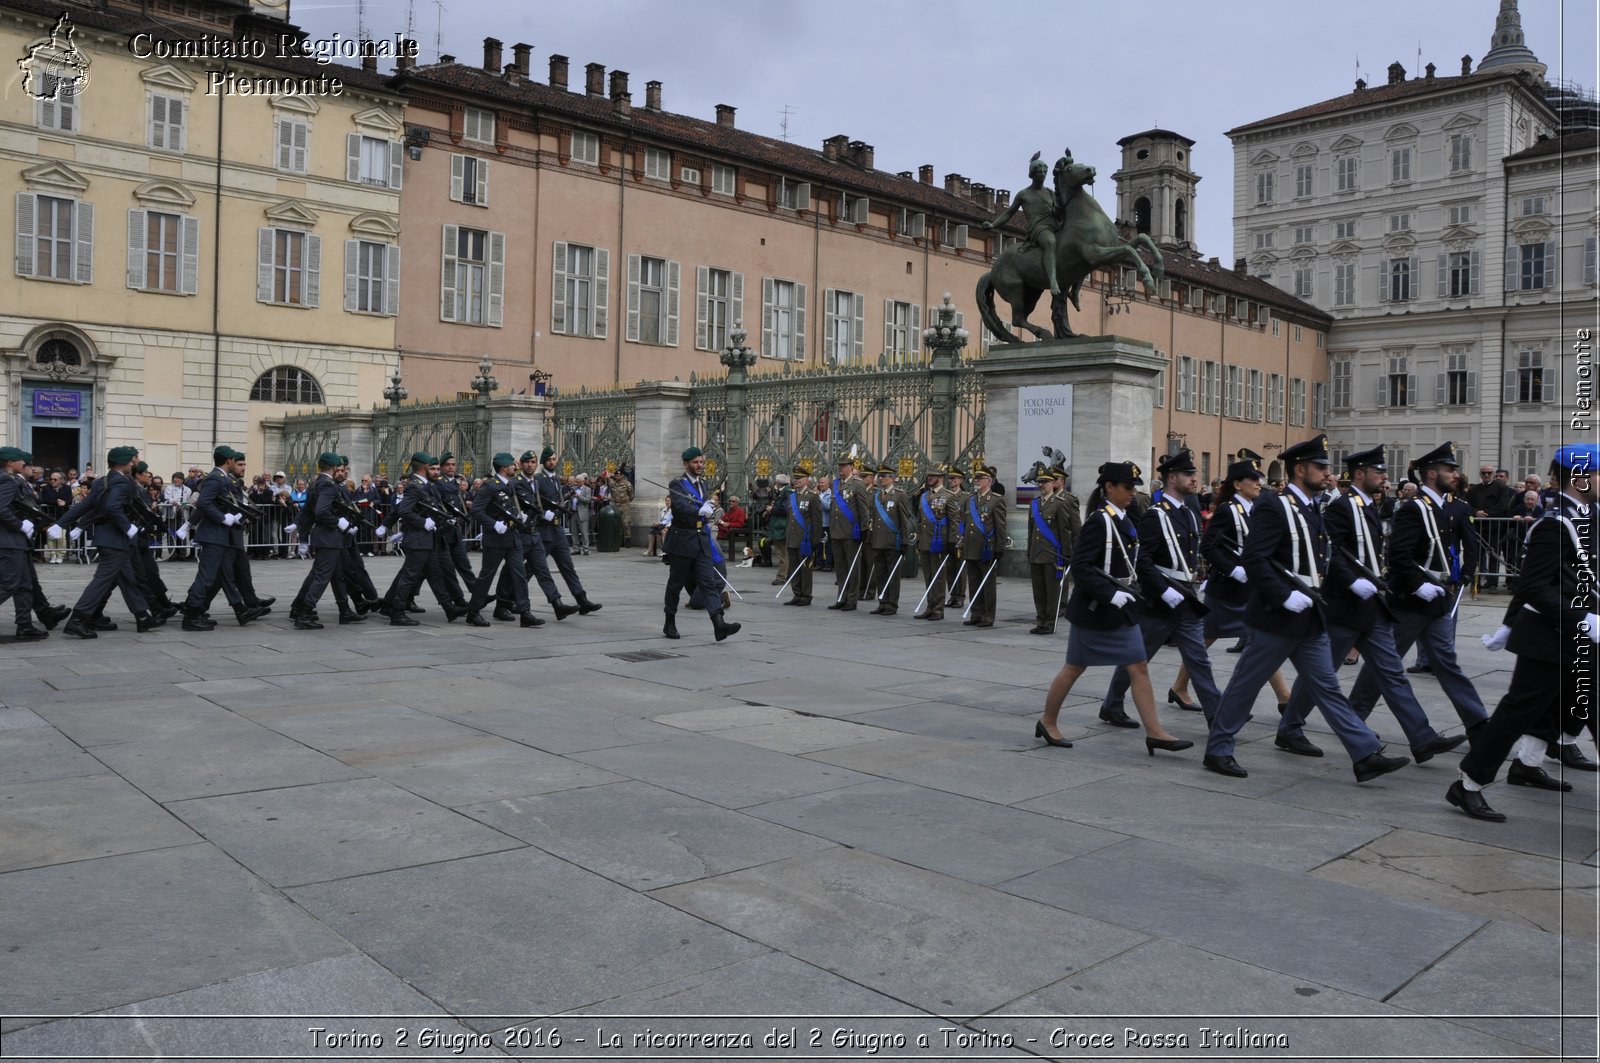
{"points": [[54, 69]]}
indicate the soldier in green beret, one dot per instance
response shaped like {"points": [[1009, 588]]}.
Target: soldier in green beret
{"points": [[326, 529], [16, 544], [114, 538]]}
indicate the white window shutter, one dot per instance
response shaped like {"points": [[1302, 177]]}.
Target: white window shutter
{"points": [[1476, 270], [669, 307], [635, 263], [458, 165], [1411, 389], [919, 226], [1591, 259], [189, 276], [1472, 389], [25, 240], [1443, 271], [391, 280], [859, 210], [302, 133], [352, 266], [1513, 261], [830, 299], [1508, 394], [960, 242], [800, 321], [497, 278], [47, 114], [1384, 267], [888, 324], [313, 271], [736, 300], [1383, 390], [137, 220], [397, 164], [802, 196], [702, 288], [352, 157], [265, 243], [558, 289], [447, 273], [481, 186], [858, 326], [155, 118], [767, 298], [285, 144], [914, 340], [602, 292], [1439, 395], [1413, 278], [83, 234], [1552, 263]]}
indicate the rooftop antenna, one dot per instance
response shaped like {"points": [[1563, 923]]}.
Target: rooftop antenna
{"points": [[361, 21], [438, 29], [411, 19], [785, 113]]}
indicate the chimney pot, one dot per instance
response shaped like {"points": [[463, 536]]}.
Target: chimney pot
{"points": [[510, 74], [952, 182], [1240, 266], [1002, 198], [652, 95], [522, 51], [1361, 84], [966, 188], [619, 83], [1397, 73], [861, 154], [491, 54], [1429, 70], [558, 72], [925, 174], [622, 104], [907, 174], [834, 147], [725, 115], [369, 56], [447, 59], [1466, 65], [594, 79]]}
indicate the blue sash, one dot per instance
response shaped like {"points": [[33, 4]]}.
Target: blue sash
{"points": [[1043, 528], [694, 492], [842, 498], [935, 544], [805, 531], [878, 502], [988, 536]]}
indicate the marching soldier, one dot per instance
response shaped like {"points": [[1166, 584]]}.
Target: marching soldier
{"points": [[449, 492], [690, 548], [892, 537], [847, 516], [535, 565], [115, 536], [1284, 558], [1357, 617], [502, 518], [803, 536], [554, 535], [1168, 555], [983, 544], [421, 535], [363, 595], [16, 544], [1049, 547], [935, 540], [218, 534], [145, 569], [49, 615], [326, 530]]}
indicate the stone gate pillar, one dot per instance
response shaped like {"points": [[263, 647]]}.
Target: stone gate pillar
{"points": [[660, 434]]}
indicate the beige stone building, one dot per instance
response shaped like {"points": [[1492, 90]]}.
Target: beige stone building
{"points": [[200, 242]]}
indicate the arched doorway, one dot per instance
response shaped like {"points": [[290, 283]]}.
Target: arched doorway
{"points": [[55, 380], [1141, 214]]}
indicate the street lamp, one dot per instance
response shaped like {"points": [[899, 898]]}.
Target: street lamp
{"points": [[736, 354], [540, 380], [394, 392], [485, 383], [942, 333]]}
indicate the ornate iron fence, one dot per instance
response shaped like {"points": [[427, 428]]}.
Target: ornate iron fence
{"points": [[306, 435], [460, 426], [593, 430]]}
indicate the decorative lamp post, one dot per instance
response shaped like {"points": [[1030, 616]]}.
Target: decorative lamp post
{"points": [[540, 380], [484, 384], [738, 358], [396, 394], [947, 340]]}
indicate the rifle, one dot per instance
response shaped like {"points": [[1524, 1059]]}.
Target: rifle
{"points": [[501, 509], [1366, 573], [1186, 589], [1302, 585], [427, 508], [28, 509], [147, 520], [229, 503]]}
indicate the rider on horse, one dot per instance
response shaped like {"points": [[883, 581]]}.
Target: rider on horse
{"points": [[1043, 211]]}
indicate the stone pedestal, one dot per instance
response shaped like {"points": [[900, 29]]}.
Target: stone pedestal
{"points": [[516, 424], [1113, 400], [660, 434]]}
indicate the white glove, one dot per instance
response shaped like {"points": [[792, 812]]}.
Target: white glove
{"points": [[230, 519], [1592, 623], [77, 533], [182, 533], [133, 531], [399, 537], [1497, 639], [53, 532], [1363, 588], [429, 525], [381, 531], [1429, 591], [344, 524], [1120, 599], [522, 518], [1296, 602], [1238, 574], [500, 527], [1172, 598], [353, 530], [706, 509], [1201, 590], [291, 527], [549, 515], [27, 528]]}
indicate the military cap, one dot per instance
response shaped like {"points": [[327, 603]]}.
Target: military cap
{"points": [[933, 471], [1577, 458], [422, 457], [139, 468], [546, 454], [980, 469], [222, 454], [1313, 450], [11, 454], [1182, 461], [1246, 469], [954, 470], [847, 459], [1444, 454], [327, 460], [1246, 454], [503, 460], [344, 459], [27, 456], [446, 456], [692, 453], [121, 455], [802, 468], [1121, 472], [1365, 459], [1055, 472], [887, 470], [528, 455]]}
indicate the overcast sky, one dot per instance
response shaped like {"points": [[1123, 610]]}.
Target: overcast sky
{"points": [[927, 81]]}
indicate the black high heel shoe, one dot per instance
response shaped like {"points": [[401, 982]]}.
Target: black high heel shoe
{"points": [[1171, 745], [1040, 732], [1173, 699]]}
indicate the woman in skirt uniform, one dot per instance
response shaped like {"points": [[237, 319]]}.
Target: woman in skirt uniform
{"points": [[1103, 611]]}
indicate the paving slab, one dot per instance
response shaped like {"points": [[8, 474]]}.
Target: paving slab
{"points": [[478, 768], [1001, 776], [564, 727], [99, 720], [992, 730], [1348, 938], [804, 734], [59, 820], [724, 773], [228, 760], [40, 752], [827, 692], [896, 750], [938, 943]]}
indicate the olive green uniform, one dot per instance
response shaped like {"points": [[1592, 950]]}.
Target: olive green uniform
{"points": [[982, 546], [891, 537]]}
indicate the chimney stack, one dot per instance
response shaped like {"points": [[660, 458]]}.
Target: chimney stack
{"points": [[1240, 266], [558, 72], [834, 147], [369, 56], [1002, 198], [491, 54], [861, 154], [1466, 65], [983, 195], [725, 115], [652, 95], [619, 84], [403, 62], [1428, 71], [447, 60], [511, 75], [522, 51], [1361, 84], [966, 188], [907, 175], [1397, 73], [925, 173], [594, 79], [952, 183]]}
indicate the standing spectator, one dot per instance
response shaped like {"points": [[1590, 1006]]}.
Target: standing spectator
{"points": [[1491, 497], [297, 499], [55, 498], [72, 478], [582, 507], [777, 525], [177, 492], [760, 512]]}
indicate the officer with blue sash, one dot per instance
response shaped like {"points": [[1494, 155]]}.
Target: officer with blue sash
{"points": [[803, 536], [935, 540], [846, 520], [892, 536], [1049, 547], [984, 544], [691, 546]]}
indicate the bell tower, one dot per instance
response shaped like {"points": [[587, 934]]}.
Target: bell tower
{"points": [[1156, 188], [1507, 49]]}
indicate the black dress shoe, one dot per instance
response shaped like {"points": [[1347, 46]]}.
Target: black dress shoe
{"points": [[310, 623], [585, 607], [147, 622], [1173, 699], [400, 619], [1040, 732], [476, 620], [54, 615], [529, 620], [1171, 745], [501, 613], [413, 607], [1036, 630], [1428, 750], [264, 602], [1116, 718], [452, 613], [563, 610], [77, 628], [1571, 756], [1472, 803], [350, 616], [1369, 768], [1237, 647], [878, 611], [198, 622], [1224, 766], [848, 607], [974, 622], [985, 623], [100, 623], [1419, 669], [794, 601], [1299, 745], [31, 630], [1520, 774], [670, 628]]}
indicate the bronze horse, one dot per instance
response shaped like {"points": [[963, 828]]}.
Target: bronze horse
{"points": [[1086, 240]]}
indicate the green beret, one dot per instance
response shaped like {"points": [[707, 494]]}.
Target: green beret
{"points": [[140, 468], [344, 459], [503, 460], [528, 455], [121, 455], [222, 454], [10, 454], [328, 460], [692, 453], [27, 456], [546, 454], [422, 457], [446, 456]]}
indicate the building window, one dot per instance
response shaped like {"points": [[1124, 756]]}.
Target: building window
{"points": [[1255, 396], [1302, 288], [472, 276], [1457, 385], [1211, 388], [55, 238], [1321, 340], [580, 291], [657, 164], [1398, 279], [373, 161], [1341, 370], [1527, 383], [1400, 165], [689, 176], [1299, 335], [1524, 462], [469, 180], [371, 277], [902, 328], [1275, 322], [1347, 229], [586, 147], [795, 195], [1400, 223], [1397, 387], [1264, 240], [1161, 387], [652, 300], [1460, 149], [1297, 402], [952, 235], [1591, 260], [58, 109], [1234, 404], [1535, 266], [477, 125], [1187, 384], [1346, 171], [1319, 405], [288, 267], [1304, 234], [723, 180], [1264, 185], [163, 252], [166, 125], [287, 384], [1460, 214], [1344, 284], [719, 303], [1303, 178], [844, 321], [783, 318], [1533, 205], [1275, 398], [293, 139]]}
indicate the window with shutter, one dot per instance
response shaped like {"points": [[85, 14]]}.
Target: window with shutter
{"points": [[57, 110], [478, 125], [160, 251], [723, 180], [497, 280], [189, 281], [166, 125], [370, 281], [602, 287], [1591, 261], [670, 307], [293, 136], [652, 295], [136, 237], [313, 289], [558, 289]]}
